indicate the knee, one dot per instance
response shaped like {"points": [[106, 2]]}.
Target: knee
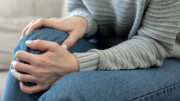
{"points": [[47, 34], [68, 87], [70, 83]]}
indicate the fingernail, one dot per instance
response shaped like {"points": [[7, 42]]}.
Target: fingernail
{"points": [[26, 33], [20, 83], [12, 71], [64, 46], [28, 42], [13, 63]]}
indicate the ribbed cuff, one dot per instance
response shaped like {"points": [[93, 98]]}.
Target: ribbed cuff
{"points": [[89, 20], [88, 61]]}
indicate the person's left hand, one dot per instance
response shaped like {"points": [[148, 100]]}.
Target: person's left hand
{"points": [[44, 69]]}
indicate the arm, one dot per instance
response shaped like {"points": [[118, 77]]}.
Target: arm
{"points": [[154, 41], [77, 8]]}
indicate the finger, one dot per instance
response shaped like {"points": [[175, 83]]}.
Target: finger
{"points": [[23, 77], [56, 23], [42, 23], [18, 66], [42, 45], [26, 28], [54, 18], [70, 41], [32, 89], [25, 56]]}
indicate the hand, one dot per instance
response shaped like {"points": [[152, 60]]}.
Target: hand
{"points": [[74, 26], [44, 69]]}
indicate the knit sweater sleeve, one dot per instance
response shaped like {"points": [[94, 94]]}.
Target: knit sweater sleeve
{"points": [[77, 8], [154, 41]]}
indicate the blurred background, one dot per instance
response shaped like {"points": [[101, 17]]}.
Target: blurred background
{"points": [[14, 16], [26, 8]]}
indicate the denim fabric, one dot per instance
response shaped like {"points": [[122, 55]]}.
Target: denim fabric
{"points": [[153, 84]]}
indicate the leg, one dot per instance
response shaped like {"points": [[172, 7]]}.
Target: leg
{"points": [[12, 89], [153, 84]]}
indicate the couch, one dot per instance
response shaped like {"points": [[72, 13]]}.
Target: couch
{"points": [[10, 33], [13, 19]]}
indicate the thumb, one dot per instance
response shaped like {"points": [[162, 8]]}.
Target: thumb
{"points": [[70, 41]]}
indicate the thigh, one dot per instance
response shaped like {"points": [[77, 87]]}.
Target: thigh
{"points": [[12, 89], [153, 84]]}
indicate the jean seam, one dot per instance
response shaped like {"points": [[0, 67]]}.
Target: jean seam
{"points": [[159, 92]]}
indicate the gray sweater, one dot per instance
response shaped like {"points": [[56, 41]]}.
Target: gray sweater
{"points": [[141, 32]]}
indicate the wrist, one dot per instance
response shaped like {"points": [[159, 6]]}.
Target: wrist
{"points": [[75, 64], [81, 24], [80, 19]]}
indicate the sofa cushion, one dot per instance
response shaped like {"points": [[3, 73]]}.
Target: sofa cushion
{"points": [[10, 33]]}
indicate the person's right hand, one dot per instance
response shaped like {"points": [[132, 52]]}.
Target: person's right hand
{"points": [[74, 26]]}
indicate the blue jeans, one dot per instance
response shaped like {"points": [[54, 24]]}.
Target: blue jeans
{"points": [[153, 84]]}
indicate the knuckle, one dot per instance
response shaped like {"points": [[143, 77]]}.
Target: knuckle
{"points": [[16, 65], [41, 20], [37, 73], [42, 80], [18, 54], [23, 31], [31, 27], [37, 60], [55, 45], [69, 43], [38, 41], [42, 72], [21, 78], [30, 91]]}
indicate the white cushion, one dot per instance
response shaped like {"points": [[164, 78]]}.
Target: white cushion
{"points": [[10, 33]]}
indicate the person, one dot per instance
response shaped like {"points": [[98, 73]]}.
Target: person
{"points": [[104, 50]]}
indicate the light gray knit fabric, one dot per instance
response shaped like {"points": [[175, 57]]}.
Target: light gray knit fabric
{"points": [[151, 28]]}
